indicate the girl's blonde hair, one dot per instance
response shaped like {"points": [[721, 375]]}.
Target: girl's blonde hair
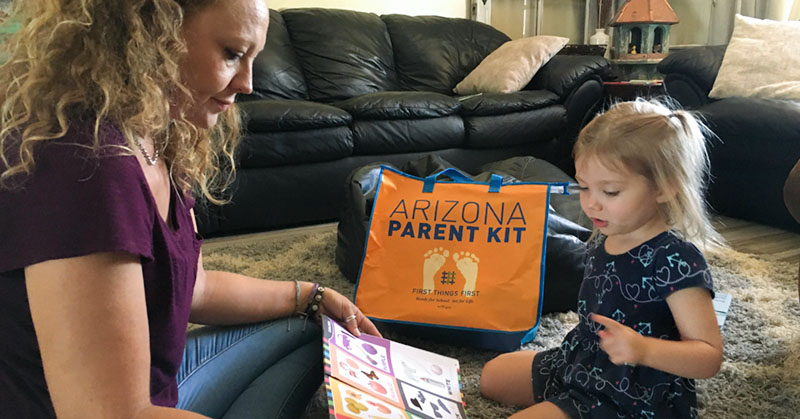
{"points": [[665, 146], [107, 61]]}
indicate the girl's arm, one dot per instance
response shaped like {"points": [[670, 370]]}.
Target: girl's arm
{"points": [[697, 355], [229, 298], [90, 319]]}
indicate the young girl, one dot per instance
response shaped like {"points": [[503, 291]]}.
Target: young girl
{"points": [[647, 326]]}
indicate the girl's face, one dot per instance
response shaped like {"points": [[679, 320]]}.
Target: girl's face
{"points": [[621, 204], [222, 40]]}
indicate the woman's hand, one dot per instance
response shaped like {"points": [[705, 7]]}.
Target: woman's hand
{"points": [[620, 342], [339, 308]]}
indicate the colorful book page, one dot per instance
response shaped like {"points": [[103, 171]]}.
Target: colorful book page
{"points": [[368, 349], [430, 405], [418, 383], [429, 371], [351, 403], [358, 374]]}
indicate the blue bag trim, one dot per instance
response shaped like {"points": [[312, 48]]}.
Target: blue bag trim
{"points": [[495, 183], [496, 340], [458, 176], [532, 333], [451, 172], [484, 338], [369, 227]]}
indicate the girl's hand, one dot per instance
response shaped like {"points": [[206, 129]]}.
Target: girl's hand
{"points": [[622, 344], [339, 308]]}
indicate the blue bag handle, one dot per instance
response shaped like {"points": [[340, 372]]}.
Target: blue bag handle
{"points": [[495, 182]]}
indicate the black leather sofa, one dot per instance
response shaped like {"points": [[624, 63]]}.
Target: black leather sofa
{"points": [[758, 139], [335, 90]]}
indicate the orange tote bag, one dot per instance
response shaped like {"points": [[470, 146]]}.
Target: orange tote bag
{"points": [[463, 260]]}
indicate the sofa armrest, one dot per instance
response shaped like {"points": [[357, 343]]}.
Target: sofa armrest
{"points": [[577, 80], [791, 192], [565, 73], [689, 74]]}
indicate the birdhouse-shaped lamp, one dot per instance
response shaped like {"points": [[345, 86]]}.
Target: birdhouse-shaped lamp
{"points": [[642, 30]]}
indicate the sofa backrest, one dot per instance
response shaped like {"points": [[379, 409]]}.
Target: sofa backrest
{"points": [[329, 55], [434, 53], [276, 70], [342, 53]]}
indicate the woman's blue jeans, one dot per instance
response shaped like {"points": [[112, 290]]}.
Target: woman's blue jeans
{"points": [[253, 371]]}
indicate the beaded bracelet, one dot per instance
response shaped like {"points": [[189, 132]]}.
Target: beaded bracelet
{"points": [[315, 302]]}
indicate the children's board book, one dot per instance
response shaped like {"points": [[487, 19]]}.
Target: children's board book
{"points": [[368, 377]]}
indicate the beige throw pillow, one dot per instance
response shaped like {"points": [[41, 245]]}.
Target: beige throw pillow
{"points": [[760, 61], [511, 67]]}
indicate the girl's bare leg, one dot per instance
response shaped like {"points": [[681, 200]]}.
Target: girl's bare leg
{"points": [[543, 410], [507, 378]]}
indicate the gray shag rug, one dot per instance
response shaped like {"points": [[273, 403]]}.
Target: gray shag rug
{"points": [[760, 377]]}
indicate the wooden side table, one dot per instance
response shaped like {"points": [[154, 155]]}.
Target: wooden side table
{"points": [[616, 91]]}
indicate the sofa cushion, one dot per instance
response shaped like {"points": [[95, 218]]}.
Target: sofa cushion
{"points": [[486, 104], [400, 105], [511, 66], [533, 126], [276, 70], [291, 115], [343, 53], [269, 149], [758, 144], [758, 62], [741, 124], [407, 135], [434, 53]]}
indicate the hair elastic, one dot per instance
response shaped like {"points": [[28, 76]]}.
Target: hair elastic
{"points": [[296, 305]]}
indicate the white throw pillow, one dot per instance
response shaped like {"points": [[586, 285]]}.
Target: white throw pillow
{"points": [[511, 67], [760, 61]]}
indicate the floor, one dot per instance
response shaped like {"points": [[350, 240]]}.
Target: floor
{"points": [[216, 242], [743, 236], [768, 242]]}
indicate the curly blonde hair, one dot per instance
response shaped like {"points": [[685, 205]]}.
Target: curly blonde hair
{"points": [[111, 61]]}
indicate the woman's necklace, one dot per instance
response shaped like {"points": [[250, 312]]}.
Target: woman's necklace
{"points": [[151, 160]]}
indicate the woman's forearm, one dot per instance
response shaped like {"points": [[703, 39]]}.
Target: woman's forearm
{"points": [[229, 298]]}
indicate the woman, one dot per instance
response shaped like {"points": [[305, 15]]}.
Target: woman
{"points": [[113, 111]]}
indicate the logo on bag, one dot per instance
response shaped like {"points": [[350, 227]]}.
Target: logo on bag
{"points": [[453, 220], [466, 265], [448, 277]]}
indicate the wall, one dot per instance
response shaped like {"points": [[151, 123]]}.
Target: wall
{"points": [[559, 17], [566, 18], [702, 22], [711, 22], [448, 8]]}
